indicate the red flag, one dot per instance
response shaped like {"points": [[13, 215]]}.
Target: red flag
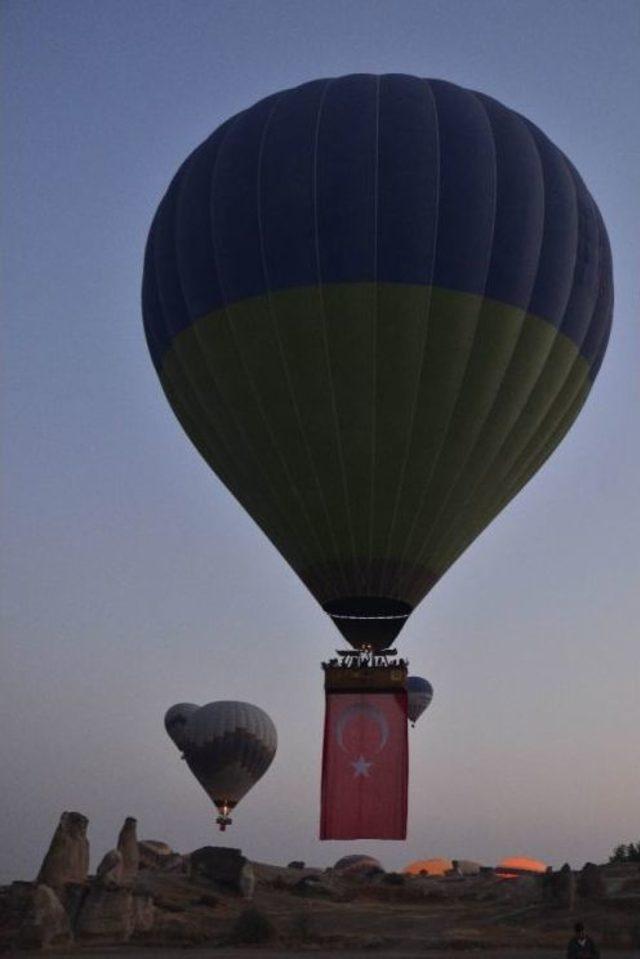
{"points": [[365, 766]]}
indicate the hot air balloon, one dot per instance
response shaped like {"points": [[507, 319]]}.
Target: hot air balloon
{"points": [[228, 747], [514, 866], [358, 864], [376, 305], [428, 867], [419, 696]]}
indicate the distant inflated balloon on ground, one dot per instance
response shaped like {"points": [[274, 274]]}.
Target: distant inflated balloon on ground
{"points": [[376, 304], [228, 746]]}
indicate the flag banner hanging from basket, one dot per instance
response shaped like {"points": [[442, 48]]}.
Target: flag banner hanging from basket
{"points": [[365, 766]]}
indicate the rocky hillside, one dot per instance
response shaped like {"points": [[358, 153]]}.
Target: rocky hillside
{"points": [[145, 893]]}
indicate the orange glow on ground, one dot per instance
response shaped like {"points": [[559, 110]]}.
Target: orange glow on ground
{"points": [[432, 867]]}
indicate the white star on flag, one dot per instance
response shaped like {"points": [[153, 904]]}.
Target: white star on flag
{"points": [[361, 767]]}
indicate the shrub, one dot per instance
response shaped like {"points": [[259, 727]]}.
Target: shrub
{"points": [[394, 879], [300, 927], [252, 926]]}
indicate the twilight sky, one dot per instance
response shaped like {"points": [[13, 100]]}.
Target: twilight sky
{"points": [[132, 580]]}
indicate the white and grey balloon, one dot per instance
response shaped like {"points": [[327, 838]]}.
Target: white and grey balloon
{"points": [[228, 746]]}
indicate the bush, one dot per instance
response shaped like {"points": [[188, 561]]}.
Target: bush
{"points": [[394, 879], [252, 926], [300, 927]]}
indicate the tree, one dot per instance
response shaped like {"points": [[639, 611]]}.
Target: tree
{"points": [[626, 853]]}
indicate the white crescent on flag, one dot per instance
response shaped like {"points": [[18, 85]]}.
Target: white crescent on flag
{"points": [[361, 709]]}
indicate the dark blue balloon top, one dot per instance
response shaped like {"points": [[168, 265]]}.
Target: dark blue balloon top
{"points": [[388, 178]]}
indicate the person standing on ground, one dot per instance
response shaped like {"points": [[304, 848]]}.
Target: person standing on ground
{"points": [[582, 946]]}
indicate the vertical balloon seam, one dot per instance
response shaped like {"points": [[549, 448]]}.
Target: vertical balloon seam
{"points": [[579, 364], [235, 467], [423, 345], [374, 323], [229, 476], [260, 466], [604, 300], [531, 466], [431, 543], [558, 338], [435, 463], [568, 396], [436, 459], [577, 360], [238, 464], [293, 484], [186, 378], [495, 386], [230, 324], [167, 205], [527, 468], [499, 455], [458, 526], [283, 358], [324, 322]]}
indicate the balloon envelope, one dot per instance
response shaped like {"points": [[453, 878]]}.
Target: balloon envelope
{"points": [[376, 304], [514, 866], [176, 719], [228, 747], [428, 867], [419, 696], [358, 863]]}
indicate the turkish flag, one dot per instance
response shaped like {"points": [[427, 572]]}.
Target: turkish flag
{"points": [[365, 766]]}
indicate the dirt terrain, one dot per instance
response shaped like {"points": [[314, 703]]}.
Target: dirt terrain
{"points": [[215, 902], [340, 916], [118, 952]]}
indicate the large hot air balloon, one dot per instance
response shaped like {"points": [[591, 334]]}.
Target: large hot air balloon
{"points": [[419, 696], [228, 747], [376, 305]]}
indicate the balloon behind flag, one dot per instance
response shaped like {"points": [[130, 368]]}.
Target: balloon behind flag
{"points": [[376, 305], [228, 747], [419, 696]]}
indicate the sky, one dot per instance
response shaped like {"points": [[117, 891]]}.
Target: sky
{"points": [[131, 579]]}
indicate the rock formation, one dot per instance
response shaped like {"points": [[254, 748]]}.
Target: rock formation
{"points": [[31, 917], [67, 859], [128, 848], [107, 913], [466, 867], [247, 881], [228, 868], [591, 882], [110, 871], [158, 855], [565, 887], [45, 922]]}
